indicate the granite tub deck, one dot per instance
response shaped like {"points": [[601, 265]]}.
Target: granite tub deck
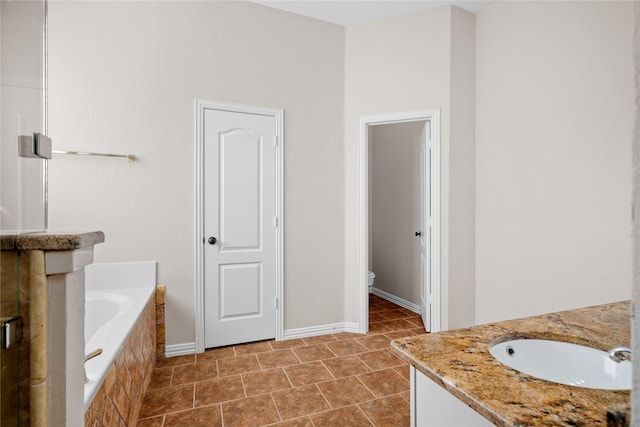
{"points": [[460, 362], [50, 241]]}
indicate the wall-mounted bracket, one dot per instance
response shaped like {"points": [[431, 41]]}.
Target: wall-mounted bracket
{"points": [[37, 146], [11, 332]]}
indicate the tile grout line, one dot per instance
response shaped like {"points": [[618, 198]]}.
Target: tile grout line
{"points": [[275, 405], [164, 414], [193, 400], [173, 370], [244, 388], [286, 374], [365, 414], [325, 399], [367, 387], [222, 423], [327, 368], [296, 356], [258, 360]]}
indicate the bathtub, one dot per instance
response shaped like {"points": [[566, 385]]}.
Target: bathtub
{"points": [[115, 296]]}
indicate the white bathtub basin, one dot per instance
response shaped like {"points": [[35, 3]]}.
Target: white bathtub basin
{"points": [[564, 363]]}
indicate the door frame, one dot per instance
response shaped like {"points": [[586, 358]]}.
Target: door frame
{"points": [[278, 114], [433, 184]]}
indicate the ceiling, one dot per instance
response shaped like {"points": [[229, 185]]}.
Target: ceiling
{"points": [[352, 12]]}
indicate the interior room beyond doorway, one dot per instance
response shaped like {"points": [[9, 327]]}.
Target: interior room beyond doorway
{"points": [[394, 211]]}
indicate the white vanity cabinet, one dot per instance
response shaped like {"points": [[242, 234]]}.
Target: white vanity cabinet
{"points": [[433, 406]]}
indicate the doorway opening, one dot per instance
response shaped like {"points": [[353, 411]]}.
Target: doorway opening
{"points": [[422, 129]]}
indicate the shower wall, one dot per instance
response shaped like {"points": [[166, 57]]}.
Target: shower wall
{"points": [[22, 96], [22, 206]]}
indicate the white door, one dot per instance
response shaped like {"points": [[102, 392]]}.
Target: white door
{"points": [[425, 229], [239, 227]]}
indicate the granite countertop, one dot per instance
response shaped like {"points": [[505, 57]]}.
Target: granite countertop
{"points": [[50, 241], [459, 361]]}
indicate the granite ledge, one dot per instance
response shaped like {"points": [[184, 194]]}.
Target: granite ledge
{"points": [[619, 415], [460, 362], [51, 241]]}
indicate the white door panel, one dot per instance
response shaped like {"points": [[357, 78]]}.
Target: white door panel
{"points": [[424, 231], [425, 238], [240, 189], [239, 207], [240, 291]]}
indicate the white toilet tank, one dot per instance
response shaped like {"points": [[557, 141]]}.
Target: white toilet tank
{"points": [[371, 279]]}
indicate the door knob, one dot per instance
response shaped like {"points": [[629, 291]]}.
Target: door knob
{"points": [[418, 233], [212, 240]]}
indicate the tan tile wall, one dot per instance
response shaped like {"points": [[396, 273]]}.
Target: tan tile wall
{"points": [[160, 324], [118, 401], [14, 300], [39, 341]]}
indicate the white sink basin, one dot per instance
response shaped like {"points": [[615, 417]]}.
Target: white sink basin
{"points": [[564, 363]]}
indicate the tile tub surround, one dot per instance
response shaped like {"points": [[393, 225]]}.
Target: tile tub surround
{"points": [[160, 322], [14, 300], [119, 398], [459, 361]]}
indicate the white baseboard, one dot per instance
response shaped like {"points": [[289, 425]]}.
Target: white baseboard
{"points": [[180, 349], [398, 301], [313, 331], [190, 347]]}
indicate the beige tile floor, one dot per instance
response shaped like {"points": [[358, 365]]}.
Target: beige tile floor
{"points": [[340, 379]]}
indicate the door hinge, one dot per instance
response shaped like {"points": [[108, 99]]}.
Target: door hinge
{"points": [[275, 221], [275, 302], [275, 140]]}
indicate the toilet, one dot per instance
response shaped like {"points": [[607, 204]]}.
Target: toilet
{"points": [[371, 278]]}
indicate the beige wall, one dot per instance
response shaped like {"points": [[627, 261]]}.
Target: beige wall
{"points": [[535, 142], [459, 292], [123, 78], [553, 123], [405, 64], [395, 212]]}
